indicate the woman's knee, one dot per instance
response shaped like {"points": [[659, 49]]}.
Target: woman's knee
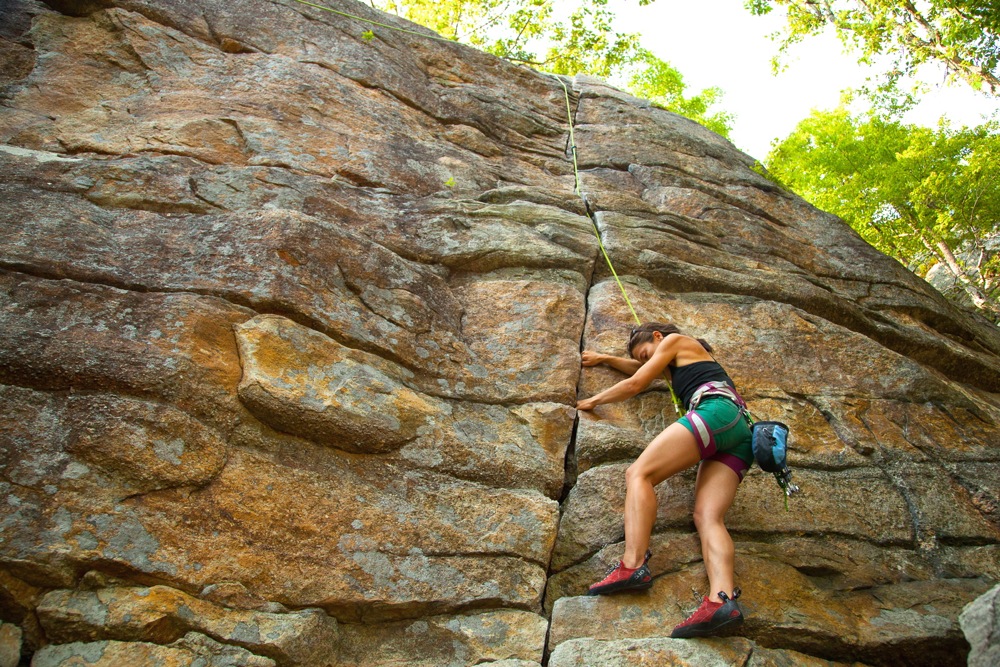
{"points": [[636, 473], [706, 516]]}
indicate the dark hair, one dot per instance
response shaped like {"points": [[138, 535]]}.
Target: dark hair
{"points": [[644, 333]]}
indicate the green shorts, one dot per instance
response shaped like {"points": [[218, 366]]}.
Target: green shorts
{"points": [[722, 433]]}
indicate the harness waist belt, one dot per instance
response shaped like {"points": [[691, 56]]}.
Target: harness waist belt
{"points": [[716, 389]]}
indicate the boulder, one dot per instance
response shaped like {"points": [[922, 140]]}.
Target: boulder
{"points": [[684, 653], [980, 620], [162, 615], [10, 645], [785, 607], [625, 652], [192, 649], [302, 382], [508, 637]]}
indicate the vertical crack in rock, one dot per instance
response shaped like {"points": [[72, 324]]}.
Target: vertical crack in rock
{"points": [[570, 465]]}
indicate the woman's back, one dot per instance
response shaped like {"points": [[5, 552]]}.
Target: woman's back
{"points": [[688, 377]]}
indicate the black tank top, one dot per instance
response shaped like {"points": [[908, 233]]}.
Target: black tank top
{"points": [[685, 379]]}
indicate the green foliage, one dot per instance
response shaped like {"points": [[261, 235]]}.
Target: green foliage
{"points": [[587, 44], [529, 32], [655, 80], [921, 195], [961, 35], [368, 35]]}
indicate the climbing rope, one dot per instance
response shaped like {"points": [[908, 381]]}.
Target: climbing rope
{"points": [[586, 204], [597, 232], [569, 118], [572, 143]]}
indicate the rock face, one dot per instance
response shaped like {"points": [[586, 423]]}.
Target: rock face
{"points": [[291, 323], [980, 621], [10, 645]]}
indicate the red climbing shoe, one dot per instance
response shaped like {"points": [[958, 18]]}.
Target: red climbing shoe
{"points": [[711, 617], [621, 578]]}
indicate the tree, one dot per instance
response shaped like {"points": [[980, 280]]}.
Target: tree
{"points": [[961, 35], [918, 194], [655, 80], [530, 33]]}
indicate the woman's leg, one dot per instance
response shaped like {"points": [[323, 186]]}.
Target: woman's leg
{"points": [[714, 494], [672, 451]]}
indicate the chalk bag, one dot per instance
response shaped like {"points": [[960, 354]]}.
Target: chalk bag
{"points": [[770, 442]]}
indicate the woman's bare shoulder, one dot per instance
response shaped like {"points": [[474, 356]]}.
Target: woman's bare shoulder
{"points": [[689, 350]]}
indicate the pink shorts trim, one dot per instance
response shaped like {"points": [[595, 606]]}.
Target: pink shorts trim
{"points": [[702, 434], [738, 465]]}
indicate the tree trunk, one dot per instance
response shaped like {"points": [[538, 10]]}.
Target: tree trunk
{"points": [[979, 297]]}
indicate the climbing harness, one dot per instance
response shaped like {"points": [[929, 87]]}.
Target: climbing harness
{"points": [[717, 389], [769, 438], [701, 430]]}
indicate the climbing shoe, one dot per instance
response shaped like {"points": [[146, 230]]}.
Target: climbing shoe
{"points": [[621, 578], [711, 617]]}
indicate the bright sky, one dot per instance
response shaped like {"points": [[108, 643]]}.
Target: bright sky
{"points": [[719, 43]]}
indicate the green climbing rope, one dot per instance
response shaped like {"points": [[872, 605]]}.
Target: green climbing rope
{"points": [[586, 204], [572, 143], [597, 232]]}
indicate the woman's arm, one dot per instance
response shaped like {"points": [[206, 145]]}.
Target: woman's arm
{"points": [[641, 378], [626, 366], [622, 391]]}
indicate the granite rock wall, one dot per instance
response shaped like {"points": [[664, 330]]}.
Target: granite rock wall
{"points": [[291, 323]]}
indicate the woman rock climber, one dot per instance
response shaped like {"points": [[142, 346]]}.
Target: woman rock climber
{"points": [[716, 434]]}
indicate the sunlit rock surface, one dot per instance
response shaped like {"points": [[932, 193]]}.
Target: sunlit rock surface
{"points": [[290, 324]]}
